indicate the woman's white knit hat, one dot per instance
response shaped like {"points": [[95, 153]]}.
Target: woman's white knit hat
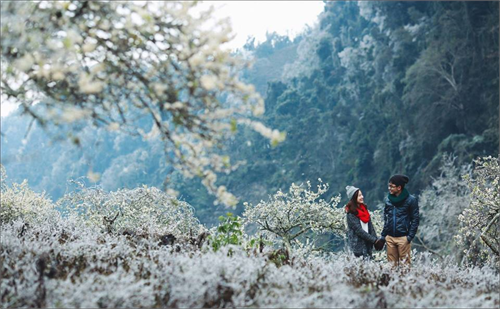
{"points": [[350, 191]]}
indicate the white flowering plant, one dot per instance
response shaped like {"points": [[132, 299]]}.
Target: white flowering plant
{"points": [[60, 261], [150, 69], [440, 205], [70, 265], [479, 231], [288, 216], [18, 201], [138, 210]]}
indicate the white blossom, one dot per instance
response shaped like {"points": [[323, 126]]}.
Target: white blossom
{"points": [[72, 114], [88, 47], [275, 136], [154, 133], [159, 88], [479, 223], [114, 126], [259, 109], [197, 59], [58, 75], [93, 176], [226, 197], [73, 37], [208, 82], [25, 63], [89, 85]]}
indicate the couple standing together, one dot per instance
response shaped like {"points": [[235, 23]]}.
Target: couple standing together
{"points": [[401, 218]]}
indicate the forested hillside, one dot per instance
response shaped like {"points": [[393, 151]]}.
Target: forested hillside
{"points": [[376, 88], [383, 88]]}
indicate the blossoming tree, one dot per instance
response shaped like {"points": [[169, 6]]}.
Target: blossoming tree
{"points": [[141, 209], [286, 216], [440, 205], [19, 201], [157, 70], [480, 221]]}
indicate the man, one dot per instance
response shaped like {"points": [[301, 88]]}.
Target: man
{"points": [[401, 219]]}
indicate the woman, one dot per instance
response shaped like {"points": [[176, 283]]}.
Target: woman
{"points": [[361, 235]]}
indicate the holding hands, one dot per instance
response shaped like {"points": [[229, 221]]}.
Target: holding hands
{"points": [[379, 244]]}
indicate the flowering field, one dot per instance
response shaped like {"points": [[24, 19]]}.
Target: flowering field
{"points": [[67, 264], [75, 260]]}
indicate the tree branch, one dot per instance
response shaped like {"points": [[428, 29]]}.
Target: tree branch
{"points": [[487, 240], [427, 248]]}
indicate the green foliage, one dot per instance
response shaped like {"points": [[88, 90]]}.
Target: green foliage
{"points": [[228, 232], [279, 257]]}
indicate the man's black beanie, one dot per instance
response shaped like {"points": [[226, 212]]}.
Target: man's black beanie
{"points": [[399, 180]]}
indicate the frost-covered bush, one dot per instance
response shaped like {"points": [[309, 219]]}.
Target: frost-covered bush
{"points": [[376, 216], [65, 262], [440, 205], [69, 264], [479, 231], [377, 219], [288, 216], [19, 201], [145, 209]]}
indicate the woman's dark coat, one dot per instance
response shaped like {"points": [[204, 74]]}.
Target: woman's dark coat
{"points": [[359, 241]]}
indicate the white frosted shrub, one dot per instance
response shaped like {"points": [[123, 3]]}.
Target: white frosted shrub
{"points": [[84, 267], [146, 209], [479, 231], [19, 201], [288, 216], [65, 262], [376, 216], [440, 205]]}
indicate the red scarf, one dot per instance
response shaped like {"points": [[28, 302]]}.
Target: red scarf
{"points": [[363, 213]]}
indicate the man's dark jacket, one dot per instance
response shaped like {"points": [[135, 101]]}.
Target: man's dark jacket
{"points": [[402, 218]]}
